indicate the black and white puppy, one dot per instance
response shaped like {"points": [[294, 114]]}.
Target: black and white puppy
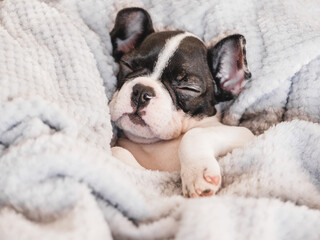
{"points": [[168, 85]]}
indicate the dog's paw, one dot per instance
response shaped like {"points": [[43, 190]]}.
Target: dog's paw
{"points": [[201, 180]]}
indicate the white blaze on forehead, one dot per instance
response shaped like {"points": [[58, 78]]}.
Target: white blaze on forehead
{"points": [[167, 52]]}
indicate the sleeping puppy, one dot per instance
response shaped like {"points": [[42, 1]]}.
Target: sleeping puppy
{"points": [[167, 87]]}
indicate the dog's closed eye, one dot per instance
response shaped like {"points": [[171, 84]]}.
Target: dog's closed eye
{"points": [[185, 84], [125, 64], [132, 70], [188, 88]]}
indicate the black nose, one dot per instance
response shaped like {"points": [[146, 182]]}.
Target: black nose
{"points": [[141, 95]]}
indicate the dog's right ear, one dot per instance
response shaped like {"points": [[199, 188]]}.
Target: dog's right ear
{"points": [[131, 27]]}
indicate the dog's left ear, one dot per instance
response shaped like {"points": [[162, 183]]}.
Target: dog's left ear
{"points": [[131, 27], [228, 64]]}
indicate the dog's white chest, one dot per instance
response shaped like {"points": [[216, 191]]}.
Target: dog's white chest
{"points": [[162, 156]]}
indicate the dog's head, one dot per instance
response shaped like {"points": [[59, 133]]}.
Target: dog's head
{"points": [[167, 79]]}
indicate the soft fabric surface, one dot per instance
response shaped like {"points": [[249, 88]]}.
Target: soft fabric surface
{"points": [[57, 177]]}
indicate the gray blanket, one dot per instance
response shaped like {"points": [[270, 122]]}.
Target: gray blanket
{"points": [[58, 179]]}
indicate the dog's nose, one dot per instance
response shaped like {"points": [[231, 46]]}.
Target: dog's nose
{"points": [[141, 95]]}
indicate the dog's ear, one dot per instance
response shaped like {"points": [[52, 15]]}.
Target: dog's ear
{"points": [[131, 27], [228, 64]]}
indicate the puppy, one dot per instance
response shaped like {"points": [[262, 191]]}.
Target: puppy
{"points": [[167, 87]]}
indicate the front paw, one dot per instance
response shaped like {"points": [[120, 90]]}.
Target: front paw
{"points": [[200, 180]]}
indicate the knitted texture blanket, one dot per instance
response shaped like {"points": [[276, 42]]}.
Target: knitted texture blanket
{"points": [[58, 179]]}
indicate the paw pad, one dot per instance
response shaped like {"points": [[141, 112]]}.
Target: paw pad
{"points": [[205, 193], [213, 180], [202, 182]]}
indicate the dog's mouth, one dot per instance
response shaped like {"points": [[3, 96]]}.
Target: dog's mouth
{"points": [[136, 118]]}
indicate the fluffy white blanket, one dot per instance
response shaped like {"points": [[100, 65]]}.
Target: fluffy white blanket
{"points": [[57, 177]]}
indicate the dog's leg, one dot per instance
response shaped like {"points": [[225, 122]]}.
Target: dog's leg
{"points": [[198, 150], [125, 156]]}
